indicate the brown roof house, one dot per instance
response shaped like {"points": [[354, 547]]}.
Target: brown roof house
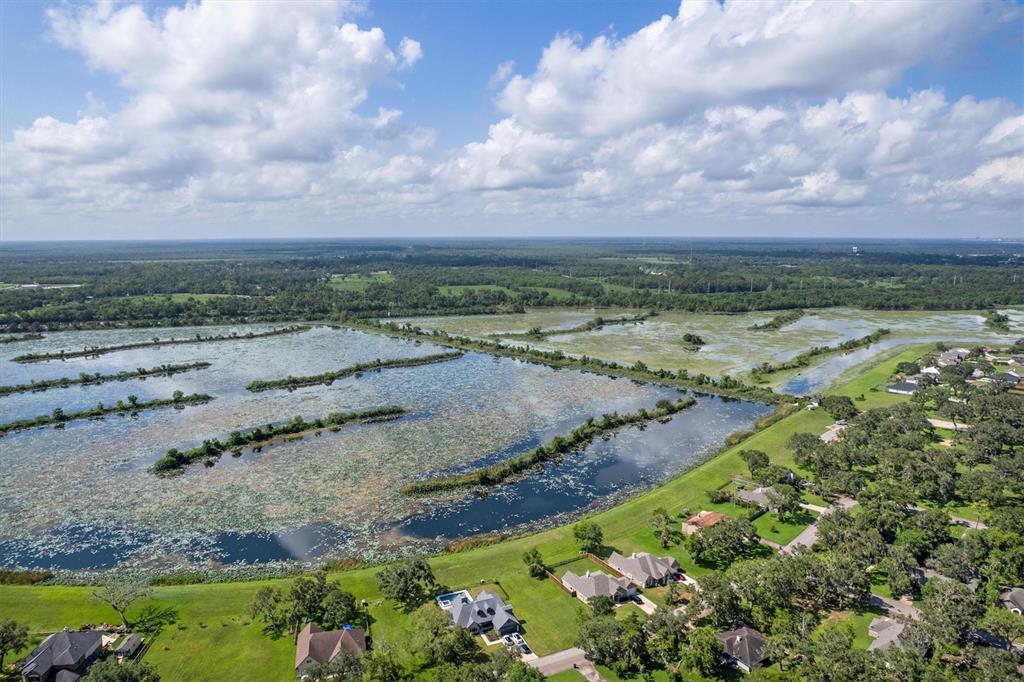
{"points": [[645, 569], [323, 646], [742, 648], [700, 520]]}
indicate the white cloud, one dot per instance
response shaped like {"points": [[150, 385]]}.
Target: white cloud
{"points": [[411, 52]]}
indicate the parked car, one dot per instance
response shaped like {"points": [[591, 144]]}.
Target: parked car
{"points": [[525, 649]]}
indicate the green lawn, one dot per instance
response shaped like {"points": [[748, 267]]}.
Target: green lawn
{"points": [[359, 281], [567, 676], [771, 528], [458, 289], [213, 639], [553, 293]]}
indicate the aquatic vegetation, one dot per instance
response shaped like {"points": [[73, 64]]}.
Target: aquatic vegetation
{"points": [[328, 378], [155, 342], [779, 321], [559, 445], [724, 385], [176, 460], [997, 321], [804, 359], [84, 379], [13, 338], [59, 417], [589, 326]]}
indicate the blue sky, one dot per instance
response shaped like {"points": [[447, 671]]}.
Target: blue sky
{"points": [[605, 119]]}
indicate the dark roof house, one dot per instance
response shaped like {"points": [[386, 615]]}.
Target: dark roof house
{"points": [[743, 648], [314, 645], [484, 613], [903, 388], [129, 647], [1013, 599], [63, 656]]}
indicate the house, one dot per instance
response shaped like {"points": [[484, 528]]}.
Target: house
{"points": [[1006, 378], [314, 645], [758, 496], [703, 519], [128, 648], [63, 656], [484, 613], [1016, 359], [885, 633], [645, 569], [953, 356], [1013, 599], [742, 648], [814, 403], [597, 583], [903, 388], [931, 371]]}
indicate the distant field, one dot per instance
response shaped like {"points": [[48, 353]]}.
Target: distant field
{"points": [[359, 281], [456, 289]]}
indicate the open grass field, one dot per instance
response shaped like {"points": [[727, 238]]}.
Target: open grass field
{"points": [[359, 282], [213, 639], [782, 532], [457, 289]]}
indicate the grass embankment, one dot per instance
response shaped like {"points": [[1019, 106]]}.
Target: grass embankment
{"points": [[804, 359], [59, 417], [213, 638], [778, 322], [291, 383], [14, 338], [84, 379], [176, 460], [198, 338], [724, 385], [538, 333], [556, 447]]}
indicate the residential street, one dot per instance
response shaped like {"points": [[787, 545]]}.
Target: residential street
{"points": [[566, 660]]}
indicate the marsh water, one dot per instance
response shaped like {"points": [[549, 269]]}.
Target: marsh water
{"points": [[82, 497]]}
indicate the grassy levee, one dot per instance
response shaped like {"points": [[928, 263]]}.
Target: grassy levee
{"points": [[213, 638], [84, 379], [59, 418], [290, 383]]}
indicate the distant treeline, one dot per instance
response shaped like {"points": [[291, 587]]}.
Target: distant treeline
{"points": [[84, 379], [13, 338], [176, 460], [589, 326], [198, 338], [804, 359], [724, 385], [559, 445], [58, 417], [779, 321], [291, 383]]}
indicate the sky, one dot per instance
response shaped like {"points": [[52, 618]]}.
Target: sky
{"points": [[509, 119]]}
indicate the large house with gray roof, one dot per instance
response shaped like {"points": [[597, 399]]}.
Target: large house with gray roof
{"points": [[63, 656], [486, 612], [598, 583], [645, 569]]}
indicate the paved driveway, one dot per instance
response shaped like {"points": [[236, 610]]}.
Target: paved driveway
{"points": [[567, 660]]}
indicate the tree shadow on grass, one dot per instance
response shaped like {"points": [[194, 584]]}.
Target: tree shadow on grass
{"points": [[153, 619]]}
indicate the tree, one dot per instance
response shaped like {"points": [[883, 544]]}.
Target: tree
{"points": [[898, 567], [601, 605], [948, 610], [339, 608], [1003, 623], [436, 640], [722, 543], [785, 500], [410, 582], [535, 563], [12, 638], [717, 599], [109, 670], [703, 651], [839, 407], [589, 536], [345, 667], [266, 606], [601, 638], [121, 595], [662, 523], [755, 460], [379, 665]]}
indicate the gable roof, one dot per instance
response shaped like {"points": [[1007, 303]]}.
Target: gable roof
{"points": [[486, 609], [743, 644], [129, 645], [323, 646], [704, 519], [886, 633], [66, 650], [595, 583], [758, 496], [643, 566], [1013, 598]]}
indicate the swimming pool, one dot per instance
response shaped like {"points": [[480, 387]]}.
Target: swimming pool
{"points": [[445, 601]]}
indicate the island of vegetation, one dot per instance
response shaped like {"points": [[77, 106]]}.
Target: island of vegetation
{"points": [[59, 417], [580, 437], [589, 326], [778, 322], [692, 341], [84, 379], [804, 359], [291, 383], [724, 385], [175, 460], [997, 321], [14, 338], [198, 338]]}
